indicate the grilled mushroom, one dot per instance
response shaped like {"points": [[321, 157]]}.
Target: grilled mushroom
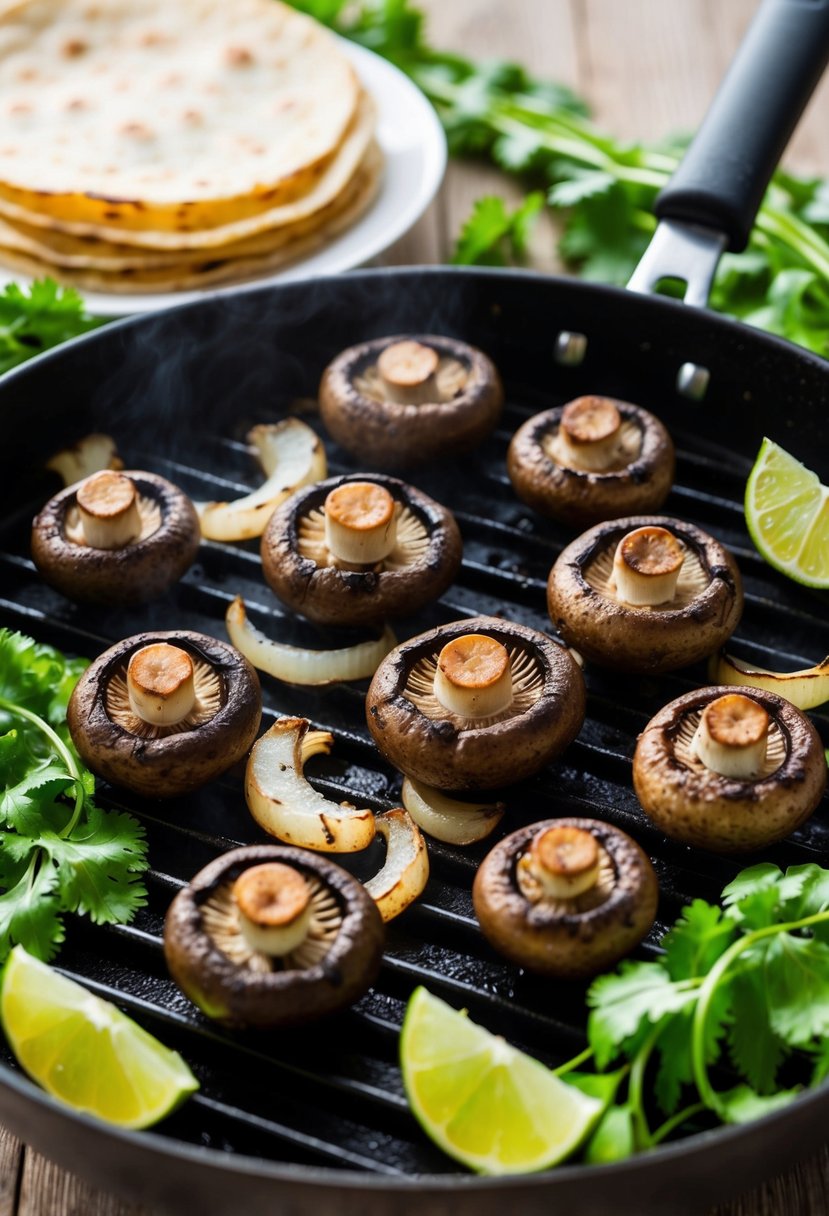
{"points": [[355, 550], [116, 538], [405, 400], [566, 897], [645, 594], [729, 769], [270, 936], [164, 713], [593, 459], [475, 705]]}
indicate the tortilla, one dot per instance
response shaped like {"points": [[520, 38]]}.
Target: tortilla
{"points": [[55, 247], [166, 116], [215, 271]]}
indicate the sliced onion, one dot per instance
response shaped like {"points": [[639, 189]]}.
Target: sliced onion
{"points": [[446, 818], [294, 664], [291, 456], [286, 806], [405, 871], [806, 689], [89, 455]]}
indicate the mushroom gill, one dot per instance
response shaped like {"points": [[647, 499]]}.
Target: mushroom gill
{"points": [[222, 923], [530, 879], [686, 752], [601, 574], [409, 372], [90, 520], [133, 684], [593, 437], [411, 545], [527, 677]]}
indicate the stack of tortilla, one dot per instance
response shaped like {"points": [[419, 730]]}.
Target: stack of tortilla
{"points": [[162, 145]]}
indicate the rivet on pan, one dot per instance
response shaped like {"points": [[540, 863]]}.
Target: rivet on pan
{"points": [[692, 381], [570, 348]]}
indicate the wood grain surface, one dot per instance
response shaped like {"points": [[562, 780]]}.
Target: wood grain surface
{"points": [[647, 68]]}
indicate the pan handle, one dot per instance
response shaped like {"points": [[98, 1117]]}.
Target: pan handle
{"points": [[711, 201]]}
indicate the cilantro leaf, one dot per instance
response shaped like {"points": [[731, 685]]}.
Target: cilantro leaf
{"points": [[30, 913], [33, 320], [627, 1004], [742, 1104], [756, 1051], [98, 865], [494, 236], [796, 982], [697, 940], [58, 850]]}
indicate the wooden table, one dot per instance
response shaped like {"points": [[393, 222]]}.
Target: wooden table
{"points": [[647, 67]]}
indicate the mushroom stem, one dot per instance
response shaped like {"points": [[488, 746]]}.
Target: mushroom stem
{"points": [[589, 433], [732, 737], [108, 507], [565, 861], [473, 677], [273, 902], [161, 684], [408, 371], [360, 522], [646, 566]]}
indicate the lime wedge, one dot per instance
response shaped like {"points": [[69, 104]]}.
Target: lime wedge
{"points": [[84, 1051], [787, 513], [483, 1102]]}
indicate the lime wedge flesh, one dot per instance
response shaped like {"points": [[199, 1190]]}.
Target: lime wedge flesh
{"points": [[84, 1051], [482, 1101], [787, 513]]}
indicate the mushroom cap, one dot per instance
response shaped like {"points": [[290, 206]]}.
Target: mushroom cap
{"points": [[241, 995], [452, 753], [173, 763], [579, 497], [393, 435], [137, 572], [550, 937], [330, 595], [690, 803], [644, 639]]}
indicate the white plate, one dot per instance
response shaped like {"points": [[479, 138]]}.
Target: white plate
{"points": [[414, 154]]}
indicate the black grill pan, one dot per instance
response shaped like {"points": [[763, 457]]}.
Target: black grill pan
{"points": [[314, 1120]]}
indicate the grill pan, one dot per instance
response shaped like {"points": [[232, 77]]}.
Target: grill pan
{"points": [[313, 1119]]}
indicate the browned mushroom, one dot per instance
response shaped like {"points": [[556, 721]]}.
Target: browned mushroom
{"points": [[356, 550], [593, 459], [164, 713], [566, 897], [270, 936], [116, 538], [475, 705], [404, 400], [646, 594], [729, 769]]}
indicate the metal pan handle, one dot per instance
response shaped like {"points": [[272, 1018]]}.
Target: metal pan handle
{"points": [[712, 200]]}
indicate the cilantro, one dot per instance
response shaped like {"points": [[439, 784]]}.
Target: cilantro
{"points": [[33, 321], [744, 986], [493, 236], [60, 852]]}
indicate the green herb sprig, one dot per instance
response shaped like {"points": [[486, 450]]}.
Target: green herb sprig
{"points": [[35, 320], [740, 988], [59, 852]]}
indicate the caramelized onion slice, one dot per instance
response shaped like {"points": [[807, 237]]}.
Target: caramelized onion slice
{"points": [[295, 665], [89, 455], [448, 819], [284, 804], [405, 871], [806, 689], [291, 456]]}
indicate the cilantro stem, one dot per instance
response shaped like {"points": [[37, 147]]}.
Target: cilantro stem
{"points": [[670, 1125], [576, 1062], [62, 750], [636, 1085], [706, 995]]}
